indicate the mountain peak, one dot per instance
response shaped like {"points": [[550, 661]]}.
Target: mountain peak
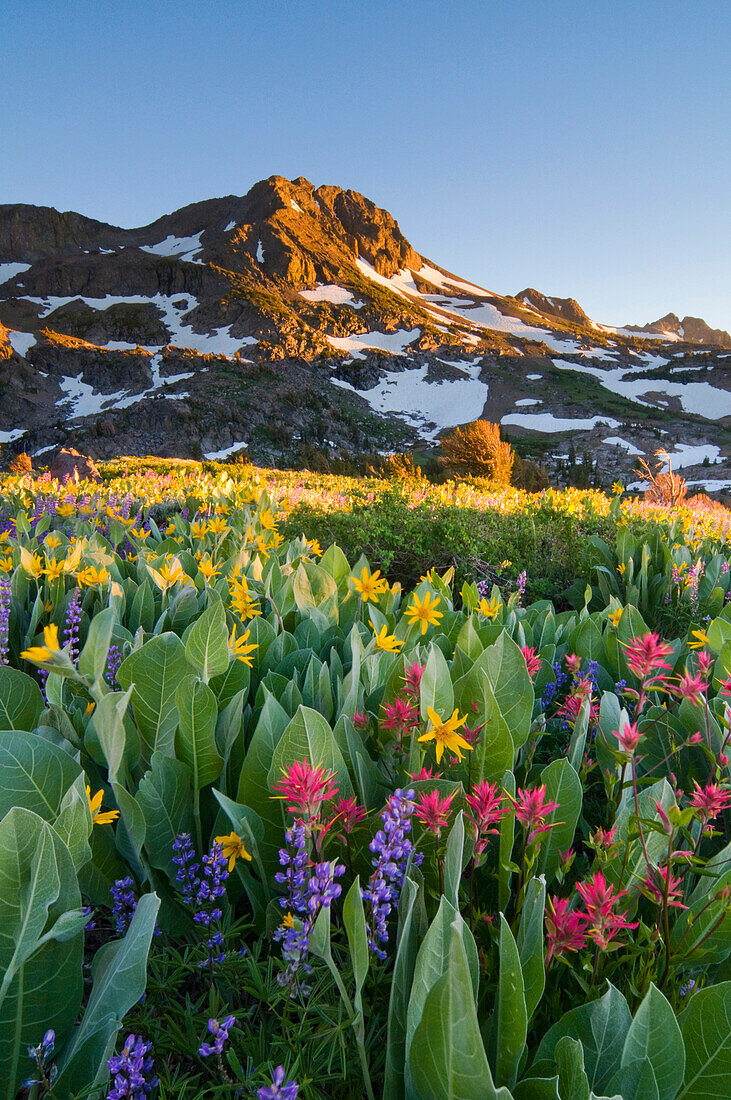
{"points": [[567, 309]]}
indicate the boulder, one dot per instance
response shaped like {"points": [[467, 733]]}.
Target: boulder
{"points": [[68, 463]]}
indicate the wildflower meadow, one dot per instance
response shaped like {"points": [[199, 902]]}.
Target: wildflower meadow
{"points": [[280, 819]]}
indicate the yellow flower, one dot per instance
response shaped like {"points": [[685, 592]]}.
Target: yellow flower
{"points": [[90, 707], [314, 546], [64, 509], [95, 803], [217, 526], [701, 639], [198, 530], [171, 574], [170, 529], [233, 848], [6, 564], [139, 533], [92, 575], [267, 520], [40, 653], [34, 566], [53, 569], [371, 585], [445, 734], [208, 569], [490, 610], [614, 616], [389, 643], [238, 647], [424, 611], [287, 920], [4, 537], [51, 542], [621, 568], [428, 576], [617, 488], [241, 600]]}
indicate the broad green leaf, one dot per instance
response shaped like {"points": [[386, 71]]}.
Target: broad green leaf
{"points": [[36, 774], [110, 729], [510, 1019], [309, 737], [355, 928], [195, 741], [572, 1080], [206, 646], [39, 900], [21, 701], [653, 1056], [119, 974], [165, 798], [530, 943], [453, 860], [602, 1027], [432, 962], [706, 1030], [155, 669], [511, 685], [447, 1059], [253, 789], [436, 685], [563, 786], [93, 657]]}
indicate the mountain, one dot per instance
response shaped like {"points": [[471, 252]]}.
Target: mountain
{"points": [[299, 316]]}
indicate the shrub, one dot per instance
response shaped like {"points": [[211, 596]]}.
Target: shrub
{"points": [[478, 449]]}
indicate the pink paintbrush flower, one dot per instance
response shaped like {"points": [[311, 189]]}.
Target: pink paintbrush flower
{"points": [[657, 882], [433, 811], [691, 687], [531, 810], [487, 810], [532, 660], [412, 679], [629, 738], [709, 801], [600, 899], [645, 656], [401, 716], [565, 928], [306, 788]]}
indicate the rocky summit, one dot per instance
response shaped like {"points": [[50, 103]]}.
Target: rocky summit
{"points": [[300, 317]]}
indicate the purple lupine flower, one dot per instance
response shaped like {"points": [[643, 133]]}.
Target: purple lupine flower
{"points": [[391, 848], [201, 892], [71, 626], [295, 875], [187, 867], [132, 1070], [45, 1074], [220, 1033], [306, 896], [91, 923], [114, 660], [279, 1089], [125, 904], [521, 583], [4, 619]]}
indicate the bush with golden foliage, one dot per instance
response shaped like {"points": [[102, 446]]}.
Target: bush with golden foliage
{"points": [[477, 448], [21, 464], [664, 487]]}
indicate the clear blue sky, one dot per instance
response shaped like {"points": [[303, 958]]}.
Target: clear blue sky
{"points": [[583, 148]]}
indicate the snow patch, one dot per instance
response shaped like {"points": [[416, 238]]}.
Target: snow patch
{"points": [[430, 407], [184, 248], [528, 401], [9, 271], [395, 343], [229, 227], [296, 207], [547, 422], [616, 441], [533, 377], [10, 437], [217, 456], [22, 342], [327, 293], [260, 253]]}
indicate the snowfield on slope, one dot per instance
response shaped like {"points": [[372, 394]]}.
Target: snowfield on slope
{"points": [[430, 407]]}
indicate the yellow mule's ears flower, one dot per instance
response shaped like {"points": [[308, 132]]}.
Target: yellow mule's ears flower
{"points": [[40, 653], [424, 611], [389, 643], [95, 803], [233, 848]]}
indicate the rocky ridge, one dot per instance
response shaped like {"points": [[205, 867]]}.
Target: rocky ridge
{"points": [[300, 317]]}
